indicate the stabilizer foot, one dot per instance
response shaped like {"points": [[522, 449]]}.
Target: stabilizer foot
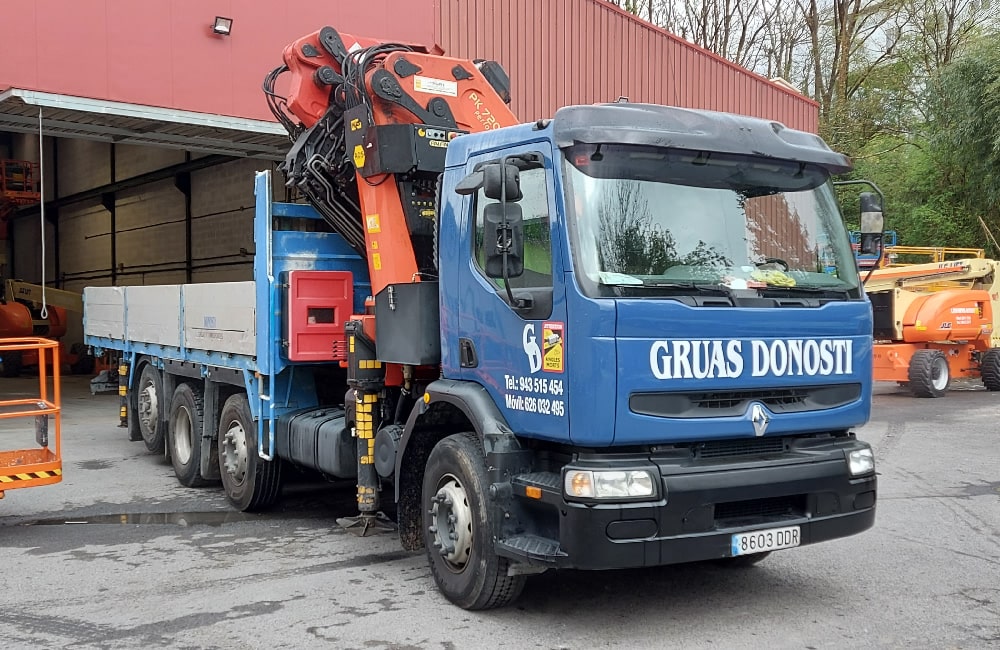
{"points": [[366, 525]]}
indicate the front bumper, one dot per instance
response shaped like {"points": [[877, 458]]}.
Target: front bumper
{"points": [[705, 506]]}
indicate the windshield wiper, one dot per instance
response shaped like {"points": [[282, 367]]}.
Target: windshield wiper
{"points": [[673, 289], [840, 291]]}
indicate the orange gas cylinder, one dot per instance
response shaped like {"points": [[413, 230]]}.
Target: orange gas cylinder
{"points": [[15, 320]]}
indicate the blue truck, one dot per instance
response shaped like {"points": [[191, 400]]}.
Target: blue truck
{"points": [[637, 337]]}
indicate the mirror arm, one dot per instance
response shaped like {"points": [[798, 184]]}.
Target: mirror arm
{"points": [[505, 227], [861, 181]]}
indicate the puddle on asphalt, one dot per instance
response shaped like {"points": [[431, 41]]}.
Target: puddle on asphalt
{"points": [[981, 489], [161, 518]]}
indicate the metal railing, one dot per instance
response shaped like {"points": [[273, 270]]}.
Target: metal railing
{"points": [[42, 464]]}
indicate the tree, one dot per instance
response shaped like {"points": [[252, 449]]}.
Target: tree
{"points": [[629, 241], [967, 112]]}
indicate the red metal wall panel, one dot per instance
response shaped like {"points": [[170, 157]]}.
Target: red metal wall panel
{"points": [[163, 53], [560, 52]]}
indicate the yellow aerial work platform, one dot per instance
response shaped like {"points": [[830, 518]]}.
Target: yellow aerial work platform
{"points": [[40, 465]]}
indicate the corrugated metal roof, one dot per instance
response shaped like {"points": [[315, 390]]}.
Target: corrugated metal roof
{"points": [[78, 117]]}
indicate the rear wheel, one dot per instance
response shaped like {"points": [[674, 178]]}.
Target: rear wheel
{"points": [[929, 373], [460, 526], [989, 369], [186, 410], [250, 482], [149, 401]]}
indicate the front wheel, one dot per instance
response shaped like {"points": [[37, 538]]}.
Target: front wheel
{"points": [[186, 411], [460, 526], [989, 369], [929, 373], [250, 482]]}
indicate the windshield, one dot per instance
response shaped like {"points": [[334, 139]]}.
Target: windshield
{"points": [[648, 221]]}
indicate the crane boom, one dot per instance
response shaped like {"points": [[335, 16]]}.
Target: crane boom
{"points": [[370, 122]]}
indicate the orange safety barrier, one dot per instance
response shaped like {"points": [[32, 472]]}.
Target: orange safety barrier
{"points": [[41, 465]]}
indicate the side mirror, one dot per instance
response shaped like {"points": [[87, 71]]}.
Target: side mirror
{"points": [[509, 240], [872, 224], [496, 177]]}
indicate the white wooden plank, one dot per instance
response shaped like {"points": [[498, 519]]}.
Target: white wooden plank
{"points": [[221, 317], [153, 314], [105, 312]]}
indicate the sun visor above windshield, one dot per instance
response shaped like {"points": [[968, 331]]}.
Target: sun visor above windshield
{"points": [[680, 128]]}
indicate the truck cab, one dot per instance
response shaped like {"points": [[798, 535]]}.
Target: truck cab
{"points": [[660, 310]]}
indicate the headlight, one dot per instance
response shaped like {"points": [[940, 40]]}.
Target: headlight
{"points": [[609, 484], [861, 461]]}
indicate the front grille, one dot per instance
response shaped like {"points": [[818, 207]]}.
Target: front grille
{"points": [[741, 447], [719, 403], [787, 507], [775, 399]]}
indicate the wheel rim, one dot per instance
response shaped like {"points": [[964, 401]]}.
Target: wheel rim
{"points": [[182, 435], [149, 407], [234, 452], [939, 373], [451, 523]]}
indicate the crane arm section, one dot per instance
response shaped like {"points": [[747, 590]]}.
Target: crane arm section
{"points": [[370, 122], [951, 274]]}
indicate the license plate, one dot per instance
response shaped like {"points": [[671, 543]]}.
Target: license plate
{"points": [[761, 541]]}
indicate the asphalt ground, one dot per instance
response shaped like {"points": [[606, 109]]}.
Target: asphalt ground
{"points": [[119, 555]]}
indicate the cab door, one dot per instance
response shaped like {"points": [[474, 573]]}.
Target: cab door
{"points": [[518, 352]]}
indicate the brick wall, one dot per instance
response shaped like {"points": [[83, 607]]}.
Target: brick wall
{"points": [[85, 239], [132, 160], [222, 209], [81, 165]]}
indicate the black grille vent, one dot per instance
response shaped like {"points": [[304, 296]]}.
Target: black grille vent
{"points": [[741, 447], [718, 403], [787, 507], [775, 399]]}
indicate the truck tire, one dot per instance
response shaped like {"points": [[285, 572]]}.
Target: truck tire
{"points": [[11, 363], [460, 526], [149, 401], [250, 482], [989, 369], [186, 410], [929, 373]]}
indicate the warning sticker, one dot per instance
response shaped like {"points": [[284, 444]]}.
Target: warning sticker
{"points": [[434, 86], [553, 347], [372, 222], [359, 156]]}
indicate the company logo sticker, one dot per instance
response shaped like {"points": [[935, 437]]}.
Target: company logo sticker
{"points": [[553, 347], [529, 341]]}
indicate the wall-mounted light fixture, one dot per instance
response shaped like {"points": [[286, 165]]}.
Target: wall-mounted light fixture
{"points": [[222, 26]]}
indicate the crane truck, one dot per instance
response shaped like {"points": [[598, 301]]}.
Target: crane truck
{"points": [[626, 336]]}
